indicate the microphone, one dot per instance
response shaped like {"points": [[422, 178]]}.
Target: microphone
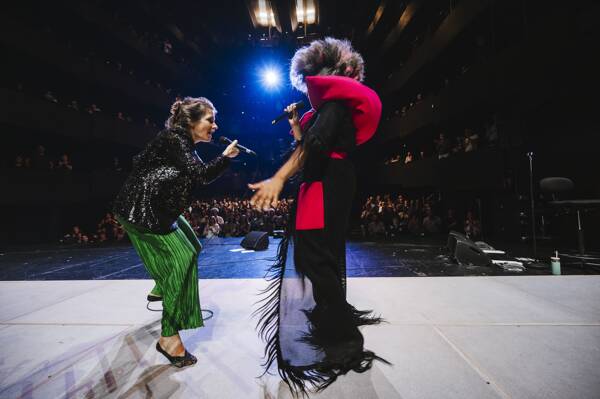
{"points": [[226, 141], [299, 105]]}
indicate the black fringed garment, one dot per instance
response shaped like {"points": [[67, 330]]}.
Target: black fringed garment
{"points": [[309, 327]]}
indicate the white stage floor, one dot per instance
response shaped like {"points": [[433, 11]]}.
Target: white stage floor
{"points": [[447, 337]]}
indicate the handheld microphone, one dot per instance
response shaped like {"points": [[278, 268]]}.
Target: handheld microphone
{"points": [[299, 105], [226, 141]]}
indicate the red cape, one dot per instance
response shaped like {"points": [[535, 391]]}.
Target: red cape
{"points": [[364, 103]]}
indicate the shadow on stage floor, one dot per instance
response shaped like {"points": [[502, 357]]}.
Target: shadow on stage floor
{"points": [[124, 366]]}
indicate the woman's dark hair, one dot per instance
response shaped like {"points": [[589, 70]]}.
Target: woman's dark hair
{"points": [[186, 112], [326, 57]]}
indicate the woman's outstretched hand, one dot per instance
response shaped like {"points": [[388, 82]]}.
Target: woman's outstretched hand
{"points": [[267, 193], [231, 151]]}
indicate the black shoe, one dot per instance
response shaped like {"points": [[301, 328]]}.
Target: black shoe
{"points": [[178, 361], [154, 298]]}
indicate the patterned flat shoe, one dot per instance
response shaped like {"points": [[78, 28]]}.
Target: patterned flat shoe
{"points": [[178, 361]]}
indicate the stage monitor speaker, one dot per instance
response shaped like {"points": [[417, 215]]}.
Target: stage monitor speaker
{"points": [[453, 237], [256, 240], [466, 252]]}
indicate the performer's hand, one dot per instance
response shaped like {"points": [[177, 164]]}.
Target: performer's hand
{"points": [[267, 193], [294, 121], [292, 115], [231, 151]]}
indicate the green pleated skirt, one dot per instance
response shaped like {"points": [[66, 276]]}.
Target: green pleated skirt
{"points": [[172, 261]]}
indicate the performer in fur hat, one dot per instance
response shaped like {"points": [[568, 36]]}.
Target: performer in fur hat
{"points": [[309, 327]]}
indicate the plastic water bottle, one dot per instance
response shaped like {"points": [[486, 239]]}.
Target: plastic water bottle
{"points": [[555, 263]]}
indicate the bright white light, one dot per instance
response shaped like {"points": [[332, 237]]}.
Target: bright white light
{"points": [[306, 14], [264, 14], [271, 77]]}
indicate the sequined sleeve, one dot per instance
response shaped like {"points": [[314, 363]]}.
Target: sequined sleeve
{"points": [[203, 173]]}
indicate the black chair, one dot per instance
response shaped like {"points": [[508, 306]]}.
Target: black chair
{"points": [[556, 186]]}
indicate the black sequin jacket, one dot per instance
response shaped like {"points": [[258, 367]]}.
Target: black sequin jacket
{"points": [[163, 178]]}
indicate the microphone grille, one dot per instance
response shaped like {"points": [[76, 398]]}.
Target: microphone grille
{"points": [[224, 140]]}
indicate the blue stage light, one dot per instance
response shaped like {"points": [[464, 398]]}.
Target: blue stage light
{"points": [[271, 77]]}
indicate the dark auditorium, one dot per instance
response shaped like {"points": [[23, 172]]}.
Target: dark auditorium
{"points": [[370, 199]]}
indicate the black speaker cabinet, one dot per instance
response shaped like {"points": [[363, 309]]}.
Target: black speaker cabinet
{"points": [[256, 240], [465, 252]]}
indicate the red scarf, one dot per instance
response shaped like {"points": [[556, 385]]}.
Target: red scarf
{"points": [[364, 103]]}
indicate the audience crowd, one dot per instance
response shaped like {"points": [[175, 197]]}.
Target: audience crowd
{"points": [[444, 146], [384, 217], [39, 160], [59, 161], [227, 217], [94, 109], [388, 217]]}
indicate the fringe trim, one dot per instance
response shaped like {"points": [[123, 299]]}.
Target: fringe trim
{"points": [[365, 317], [316, 377], [268, 312]]}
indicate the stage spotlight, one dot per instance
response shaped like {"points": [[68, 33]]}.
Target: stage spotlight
{"points": [[271, 78]]}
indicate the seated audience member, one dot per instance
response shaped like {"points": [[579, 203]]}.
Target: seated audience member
{"points": [[451, 222], [431, 223], [471, 140], [442, 146], [472, 226], [458, 145], [212, 229], [64, 163], [19, 162], [75, 236], [375, 228]]}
